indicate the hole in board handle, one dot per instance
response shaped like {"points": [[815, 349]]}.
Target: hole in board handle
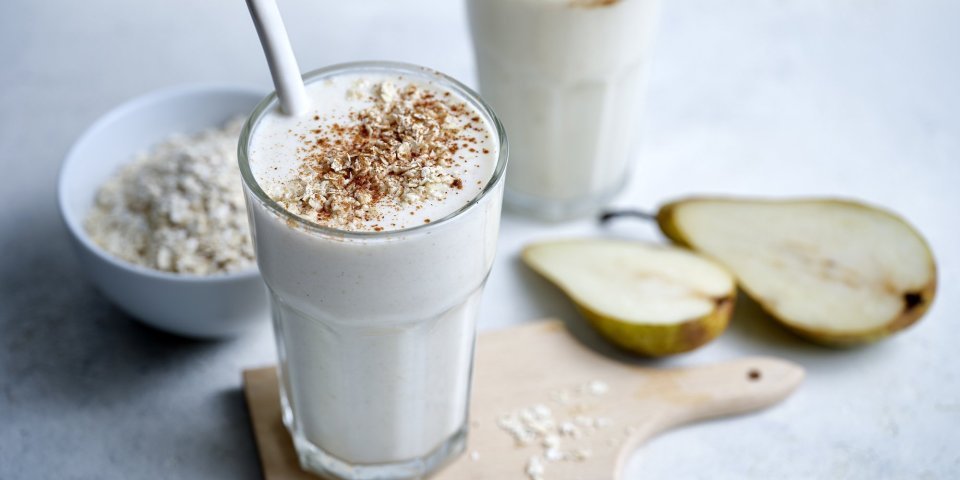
{"points": [[753, 375]]}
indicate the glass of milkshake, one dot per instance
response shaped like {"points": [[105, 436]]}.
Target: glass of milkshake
{"points": [[375, 220], [565, 77]]}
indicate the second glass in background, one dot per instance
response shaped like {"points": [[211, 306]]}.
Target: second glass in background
{"points": [[566, 80]]}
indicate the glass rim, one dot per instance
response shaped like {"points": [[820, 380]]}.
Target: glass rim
{"points": [[468, 94]]}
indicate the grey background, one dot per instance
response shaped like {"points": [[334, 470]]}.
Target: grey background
{"points": [[855, 98]]}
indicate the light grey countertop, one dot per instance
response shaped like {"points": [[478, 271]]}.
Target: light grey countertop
{"points": [[858, 98]]}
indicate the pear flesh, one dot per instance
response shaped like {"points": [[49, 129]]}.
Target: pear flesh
{"points": [[650, 299], [837, 272]]}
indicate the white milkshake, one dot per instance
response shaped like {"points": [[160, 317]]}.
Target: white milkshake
{"points": [[565, 77], [375, 220]]}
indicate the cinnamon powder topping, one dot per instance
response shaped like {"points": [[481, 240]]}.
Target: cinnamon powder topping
{"points": [[398, 151]]}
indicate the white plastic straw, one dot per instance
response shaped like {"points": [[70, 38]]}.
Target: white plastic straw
{"points": [[283, 65]]}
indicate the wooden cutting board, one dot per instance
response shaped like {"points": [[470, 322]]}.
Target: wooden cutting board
{"points": [[614, 405]]}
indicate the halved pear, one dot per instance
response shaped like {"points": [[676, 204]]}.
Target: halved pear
{"points": [[651, 299], [835, 271]]}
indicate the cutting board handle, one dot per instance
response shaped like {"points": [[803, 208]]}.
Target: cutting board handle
{"points": [[704, 392], [729, 388]]}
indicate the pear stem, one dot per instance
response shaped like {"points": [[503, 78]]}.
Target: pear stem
{"points": [[610, 215]]}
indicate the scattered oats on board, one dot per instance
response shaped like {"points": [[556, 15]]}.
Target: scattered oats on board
{"points": [[178, 207], [538, 426]]}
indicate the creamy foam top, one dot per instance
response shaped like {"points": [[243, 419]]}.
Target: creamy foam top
{"points": [[375, 152]]}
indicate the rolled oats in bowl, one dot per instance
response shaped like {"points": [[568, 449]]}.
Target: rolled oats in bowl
{"points": [[178, 207]]}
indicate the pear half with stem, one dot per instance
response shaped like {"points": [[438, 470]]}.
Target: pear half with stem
{"points": [[650, 299], [835, 271]]}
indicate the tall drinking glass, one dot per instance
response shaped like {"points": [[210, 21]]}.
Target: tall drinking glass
{"points": [[566, 78], [375, 330]]}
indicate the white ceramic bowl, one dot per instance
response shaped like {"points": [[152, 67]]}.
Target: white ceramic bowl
{"points": [[195, 306]]}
